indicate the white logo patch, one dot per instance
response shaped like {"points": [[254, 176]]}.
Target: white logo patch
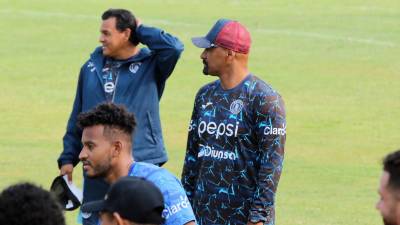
{"points": [[91, 65], [217, 129], [236, 106], [170, 210], [109, 87], [269, 130], [207, 151], [134, 67], [206, 105], [86, 215]]}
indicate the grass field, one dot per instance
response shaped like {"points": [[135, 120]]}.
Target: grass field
{"points": [[335, 62]]}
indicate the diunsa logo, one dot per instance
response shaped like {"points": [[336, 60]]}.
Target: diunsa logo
{"points": [[207, 151], [236, 106]]}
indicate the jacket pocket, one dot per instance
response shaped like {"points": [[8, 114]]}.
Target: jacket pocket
{"points": [[151, 127]]}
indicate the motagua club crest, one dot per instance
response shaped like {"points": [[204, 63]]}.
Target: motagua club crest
{"points": [[134, 67], [236, 106]]}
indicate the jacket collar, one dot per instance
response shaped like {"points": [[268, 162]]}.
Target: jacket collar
{"points": [[98, 58]]}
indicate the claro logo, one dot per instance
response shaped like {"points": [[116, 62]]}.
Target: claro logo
{"points": [[216, 129], [170, 210], [269, 130]]}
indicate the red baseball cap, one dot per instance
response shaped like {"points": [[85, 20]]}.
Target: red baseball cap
{"points": [[228, 34]]}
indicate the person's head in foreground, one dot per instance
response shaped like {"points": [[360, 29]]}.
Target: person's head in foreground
{"points": [[226, 48], [389, 190], [26, 203], [107, 140], [129, 201]]}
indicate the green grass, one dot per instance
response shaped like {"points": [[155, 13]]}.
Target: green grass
{"points": [[336, 63]]}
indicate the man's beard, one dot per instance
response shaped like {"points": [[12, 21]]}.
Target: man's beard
{"points": [[100, 171], [205, 68], [385, 222]]}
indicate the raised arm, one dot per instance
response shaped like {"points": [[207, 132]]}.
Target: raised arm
{"points": [[167, 48]]}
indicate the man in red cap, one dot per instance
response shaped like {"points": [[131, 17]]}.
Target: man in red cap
{"points": [[236, 135]]}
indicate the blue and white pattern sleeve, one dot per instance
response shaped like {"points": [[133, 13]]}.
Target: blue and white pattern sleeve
{"points": [[178, 210], [190, 168], [271, 131]]}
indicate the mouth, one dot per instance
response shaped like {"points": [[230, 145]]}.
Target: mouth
{"points": [[86, 165], [104, 47]]}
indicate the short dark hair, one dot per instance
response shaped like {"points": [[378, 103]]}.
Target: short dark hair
{"points": [[26, 203], [124, 20], [109, 115], [391, 164]]}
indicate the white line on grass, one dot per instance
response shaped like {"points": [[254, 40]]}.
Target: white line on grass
{"points": [[294, 33], [33, 13], [328, 37]]}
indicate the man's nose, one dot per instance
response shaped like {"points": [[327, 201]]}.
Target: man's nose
{"points": [[203, 55], [101, 38], [82, 154], [378, 205]]}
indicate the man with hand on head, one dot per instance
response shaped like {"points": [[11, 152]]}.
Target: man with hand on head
{"points": [[119, 71], [236, 135], [107, 154], [389, 190]]}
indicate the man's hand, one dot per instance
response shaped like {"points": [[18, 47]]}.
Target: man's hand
{"points": [[138, 22], [258, 223], [67, 169]]}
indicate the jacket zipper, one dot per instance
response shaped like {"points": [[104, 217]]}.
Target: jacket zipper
{"points": [[115, 89]]}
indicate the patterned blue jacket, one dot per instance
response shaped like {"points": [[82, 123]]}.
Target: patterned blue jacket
{"points": [[235, 152]]}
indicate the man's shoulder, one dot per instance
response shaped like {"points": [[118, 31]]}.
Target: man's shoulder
{"points": [[94, 56], [208, 87], [143, 53], [259, 87], [144, 167], [152, 172]]}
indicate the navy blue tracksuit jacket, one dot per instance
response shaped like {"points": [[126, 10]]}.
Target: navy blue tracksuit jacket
{"points": [[139, 86]]}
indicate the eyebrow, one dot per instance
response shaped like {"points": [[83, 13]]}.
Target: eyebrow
{"points": [[87, 142]]}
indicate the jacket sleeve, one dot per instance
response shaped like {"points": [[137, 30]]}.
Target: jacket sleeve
{"points": [[191, 163], [167, 50], [271, 133], [72, 138]]}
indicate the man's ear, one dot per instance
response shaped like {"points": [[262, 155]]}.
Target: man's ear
{"points": [[230, 55], [127, 33], [117, 148]]}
